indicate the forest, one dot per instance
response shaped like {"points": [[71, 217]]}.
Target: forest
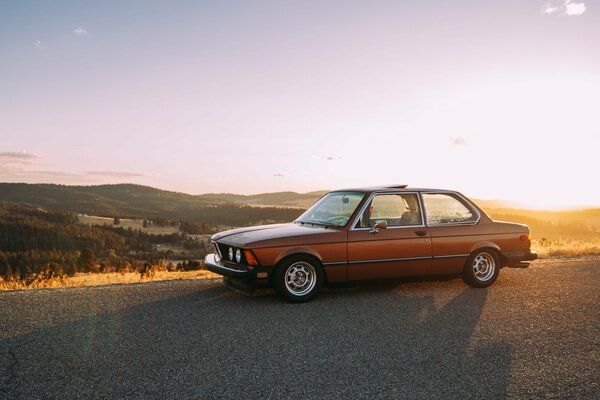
{"points": [[41, 231], [35, 240]]}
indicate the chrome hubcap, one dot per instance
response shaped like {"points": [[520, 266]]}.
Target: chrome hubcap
{"points": [[484, 266], [300, 278]]}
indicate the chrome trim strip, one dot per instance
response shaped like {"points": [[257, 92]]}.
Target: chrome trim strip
{"points": [[393, 227], [465, 201], [230, 268], [396, 259], [364, 207], [389, 260], [221, 265], [452, 256]]}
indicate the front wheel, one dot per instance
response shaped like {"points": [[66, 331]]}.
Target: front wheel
{"points": [[481, 269], [298, 279]]}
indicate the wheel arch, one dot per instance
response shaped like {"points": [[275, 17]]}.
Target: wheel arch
{"points": [[489, 246], [485, 244], [298, 251], [301, 252]]}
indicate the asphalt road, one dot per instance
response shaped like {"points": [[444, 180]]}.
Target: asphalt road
{"points": [[534, 334]]}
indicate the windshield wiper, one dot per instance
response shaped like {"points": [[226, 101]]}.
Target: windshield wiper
{"points": [[315, 223]]}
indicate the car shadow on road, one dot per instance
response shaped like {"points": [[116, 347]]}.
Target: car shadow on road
{"points": [[212, 343]]}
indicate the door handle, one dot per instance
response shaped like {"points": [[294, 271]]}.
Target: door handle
{"points": [[421, 233]]}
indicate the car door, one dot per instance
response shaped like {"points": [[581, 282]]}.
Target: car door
{"points": [[401, 248], [452, 222]]}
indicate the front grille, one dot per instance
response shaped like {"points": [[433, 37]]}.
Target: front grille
{"points": [[223, 250]]}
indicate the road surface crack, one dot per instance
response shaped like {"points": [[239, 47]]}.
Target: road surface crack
{"points": [[9, 374]]}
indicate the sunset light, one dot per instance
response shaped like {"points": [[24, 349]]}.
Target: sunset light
{"points": [[309, 199], [304, 97]]}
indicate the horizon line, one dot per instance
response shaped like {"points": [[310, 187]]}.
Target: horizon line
{"points": [[510, 204]]}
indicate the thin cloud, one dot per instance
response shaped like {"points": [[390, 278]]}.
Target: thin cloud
{"points": [[279, 175], [118, 174], [25, 165], [53, 174], [22, 157], [457, 141], [79, 31], [568, 8], [548, 9], [23, 172], [38, 44]]}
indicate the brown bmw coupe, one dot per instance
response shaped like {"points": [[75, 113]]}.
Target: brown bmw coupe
{"points": [[372, 233]]}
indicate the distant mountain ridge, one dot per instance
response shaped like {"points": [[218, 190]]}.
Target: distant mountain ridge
{"points": [[132, 199], [227, 209], [138, 200], [144, 201]]}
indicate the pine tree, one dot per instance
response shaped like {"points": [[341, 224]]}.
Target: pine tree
{"points": [[87, 261]]}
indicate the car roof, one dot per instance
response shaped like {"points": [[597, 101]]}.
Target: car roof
{"points": [[401, 188]]}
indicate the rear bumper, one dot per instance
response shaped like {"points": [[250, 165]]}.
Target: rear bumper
{"points": [[235, 271], [517, 259]]}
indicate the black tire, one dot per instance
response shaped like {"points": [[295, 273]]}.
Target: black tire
{"points": [[298, 278], [481, 268]]}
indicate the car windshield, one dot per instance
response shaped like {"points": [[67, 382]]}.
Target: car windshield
{"points": [[333, 209]]}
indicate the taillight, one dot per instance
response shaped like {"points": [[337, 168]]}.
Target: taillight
{"points": [[526, 238], [250, 258]]}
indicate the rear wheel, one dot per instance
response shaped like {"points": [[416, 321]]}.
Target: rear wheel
{"points": [[298, 279], [482, 268]]}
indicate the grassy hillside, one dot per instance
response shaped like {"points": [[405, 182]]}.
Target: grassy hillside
{"points": [[278, 199], [41, 236], [125, 199], [580, 225], [128, 200], [228, 209]]}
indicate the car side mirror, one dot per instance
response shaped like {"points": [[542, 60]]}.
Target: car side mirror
{"points": [[379, 225]]}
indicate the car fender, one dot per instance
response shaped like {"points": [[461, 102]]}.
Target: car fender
{"points": [[485, 244], [297, 250]]}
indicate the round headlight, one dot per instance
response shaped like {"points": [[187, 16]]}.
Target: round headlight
{"points": [[231, 254], [238, 255]]}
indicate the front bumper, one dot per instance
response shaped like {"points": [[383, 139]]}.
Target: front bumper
{"points": [[236, 271], [517, 259]]}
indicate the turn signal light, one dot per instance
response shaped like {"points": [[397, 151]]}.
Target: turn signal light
{"points": [[250, 258], [526, 238]]}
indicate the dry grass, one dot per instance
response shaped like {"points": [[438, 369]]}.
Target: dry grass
{"points": [[135, 224], [566, 247], [110, 278], [544, 247]]}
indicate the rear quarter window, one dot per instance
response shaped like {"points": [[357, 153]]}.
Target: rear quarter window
{"points": [[447, 208]]}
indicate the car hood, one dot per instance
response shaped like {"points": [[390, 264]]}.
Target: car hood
{"points": [[279, 235]]}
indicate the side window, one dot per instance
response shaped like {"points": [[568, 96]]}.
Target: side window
{"points": [[445, 208], [396, 208]]}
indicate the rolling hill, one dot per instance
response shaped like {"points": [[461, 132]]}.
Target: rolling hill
{"points": [[128, 200]]}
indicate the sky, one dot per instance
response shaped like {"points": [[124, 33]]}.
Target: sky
{"points": [[496, 99]]}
